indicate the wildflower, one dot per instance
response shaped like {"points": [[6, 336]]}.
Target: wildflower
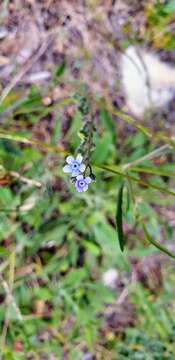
{"points": [[74, 166], [82, 183]]}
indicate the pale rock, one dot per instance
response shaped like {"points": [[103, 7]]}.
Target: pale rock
{"points": [[147, 81], [110, 278]]}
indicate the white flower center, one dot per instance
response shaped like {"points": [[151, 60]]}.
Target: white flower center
{"points": [[75, 165], [81, 183]]}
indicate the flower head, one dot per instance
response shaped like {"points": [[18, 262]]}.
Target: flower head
{"points": [[82, 183], [74, 166]]}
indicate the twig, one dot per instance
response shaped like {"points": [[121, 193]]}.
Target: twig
{"points": [[123, 296], [8, 288], [29, 63], [23, 179]]}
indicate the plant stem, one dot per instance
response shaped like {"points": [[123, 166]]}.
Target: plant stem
{"points": [[118, 171], [156, 244], [152, 155]]}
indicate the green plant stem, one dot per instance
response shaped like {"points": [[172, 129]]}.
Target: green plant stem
{"points": [[152, 155], [106, 105], [156, 244], [89, 141], [153, 171], [24, 140], [139, 181]]}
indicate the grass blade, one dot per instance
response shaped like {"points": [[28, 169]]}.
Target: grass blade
{"points": [[119, 218], [24, 140]]}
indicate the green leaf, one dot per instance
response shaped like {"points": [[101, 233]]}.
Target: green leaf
{"points": [[109, 124], [119, 218], [105, 236], [103, 149], [92, 248], [170, 7], [75, 277], [61, 69]]}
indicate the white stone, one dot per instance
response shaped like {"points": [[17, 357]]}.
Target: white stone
{"points": [[110, 277], [147, 81]]}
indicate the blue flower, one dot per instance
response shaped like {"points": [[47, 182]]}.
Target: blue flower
{"points": [[82, 183], [75, 166]]}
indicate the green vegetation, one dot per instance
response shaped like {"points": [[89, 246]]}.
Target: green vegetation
{"points": [[56, 244]]}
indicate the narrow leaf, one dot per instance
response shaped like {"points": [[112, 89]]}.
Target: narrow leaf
{"points": [[61, 69], [119, 218]]}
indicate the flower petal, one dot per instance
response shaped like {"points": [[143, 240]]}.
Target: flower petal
{"points": [[75, 172], [79, 189], [67, 169], [69, 159], [80, 177], [88, 180], [82, 167], [79, 158], [85, 188]]}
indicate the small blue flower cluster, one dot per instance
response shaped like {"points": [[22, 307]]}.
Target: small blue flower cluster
{"points": [[77, 168]]}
